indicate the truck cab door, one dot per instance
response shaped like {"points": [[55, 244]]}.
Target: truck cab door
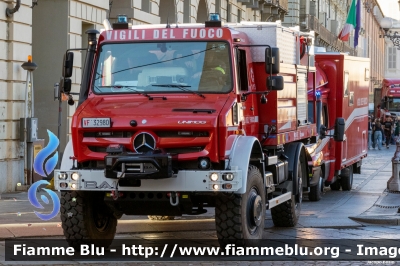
{"points": [[246, 83]]}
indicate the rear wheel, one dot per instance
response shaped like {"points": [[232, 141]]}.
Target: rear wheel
{"points": [[240, 217], [287, 214], [335, 185], [347, 178], [316, 191], [86, 219]]}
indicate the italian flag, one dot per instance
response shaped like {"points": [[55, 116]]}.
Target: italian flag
{"points": [[351, 22]]}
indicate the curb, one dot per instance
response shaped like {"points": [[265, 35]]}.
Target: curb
{"points": [[51, 229], [378, 219]]}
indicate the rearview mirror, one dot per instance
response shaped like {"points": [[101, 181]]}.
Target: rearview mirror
{"points": [[68, 64], [275, 83], [67, 85], [322, 131], [272, 60], [340, 124]]}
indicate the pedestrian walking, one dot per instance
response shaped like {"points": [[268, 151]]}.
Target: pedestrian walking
{"points": [[388, 129], [396, 129], [378, 134]]}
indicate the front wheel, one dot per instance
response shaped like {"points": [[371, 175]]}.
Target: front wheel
{"points": [[86, 219], [240, 217]]}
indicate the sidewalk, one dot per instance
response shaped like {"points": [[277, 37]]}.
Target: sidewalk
{"points": [[17, 217], [385, 210]]}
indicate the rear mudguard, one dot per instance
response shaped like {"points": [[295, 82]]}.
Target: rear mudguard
{"points": [[295, 152]]}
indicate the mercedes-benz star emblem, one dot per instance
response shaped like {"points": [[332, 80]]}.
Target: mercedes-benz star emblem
{"points": [[144, 142]]}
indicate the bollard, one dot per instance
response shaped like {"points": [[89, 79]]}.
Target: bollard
{"points": [[393, 184]]}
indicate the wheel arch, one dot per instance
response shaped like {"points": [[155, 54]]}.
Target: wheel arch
{"points": [[66, 161], [295, 152], [246, 150]]}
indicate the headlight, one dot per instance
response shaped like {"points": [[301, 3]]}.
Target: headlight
{"points": [[62, 176], [75, 176], [214, 177], [74, 186], [215, 186]]}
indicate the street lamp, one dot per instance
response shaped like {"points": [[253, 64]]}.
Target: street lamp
{"points": [[386, 25]]}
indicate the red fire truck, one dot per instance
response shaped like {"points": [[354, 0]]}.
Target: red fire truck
{"points": [[389, 96], [342, 88], [172, 120]]}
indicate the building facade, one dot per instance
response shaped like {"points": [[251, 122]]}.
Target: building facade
{"points": [[392, 52], [48, 29]]}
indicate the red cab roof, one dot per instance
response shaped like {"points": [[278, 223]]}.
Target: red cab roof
{"points": [[391, 82]]}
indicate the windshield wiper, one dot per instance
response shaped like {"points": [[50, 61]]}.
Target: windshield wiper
{"points": [[181, 87], [131, 88]]}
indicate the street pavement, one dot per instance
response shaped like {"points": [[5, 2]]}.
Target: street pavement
{"points": [[368, 211]]}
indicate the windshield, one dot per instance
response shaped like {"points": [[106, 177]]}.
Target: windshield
{"points": [[199, 67], [394, 104]]}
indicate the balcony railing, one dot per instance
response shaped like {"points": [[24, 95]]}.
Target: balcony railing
{"points": [[308, 22], [283, 4]]}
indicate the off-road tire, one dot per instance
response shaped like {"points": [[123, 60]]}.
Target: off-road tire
{"points": [[79, 213], [287, 214], [235, 220], [316, 191], [160, 218], [346, 180], [336, 185]]}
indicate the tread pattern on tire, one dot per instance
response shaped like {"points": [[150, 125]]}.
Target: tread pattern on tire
{"points": [[74, 227], [347, 181], [227, 218], [284, 215], [228, 214], [315, 193]]}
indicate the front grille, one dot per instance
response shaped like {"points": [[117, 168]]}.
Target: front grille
{"points": [[182, 134], [108, 134]]}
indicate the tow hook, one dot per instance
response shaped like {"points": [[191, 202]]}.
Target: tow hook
{"points": [[174, 196], [115, 194]]}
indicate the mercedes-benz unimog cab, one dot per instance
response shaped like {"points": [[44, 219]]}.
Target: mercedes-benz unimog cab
{"points": [[175, 120]]}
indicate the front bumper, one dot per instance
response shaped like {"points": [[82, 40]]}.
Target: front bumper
{"points": [[138, 166], [184, 181]]}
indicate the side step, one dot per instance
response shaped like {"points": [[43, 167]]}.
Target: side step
{"points": [[278, 200]]}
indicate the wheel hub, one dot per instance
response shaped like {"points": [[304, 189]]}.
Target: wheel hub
{"points": [[257, 210], [101, 220]]}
